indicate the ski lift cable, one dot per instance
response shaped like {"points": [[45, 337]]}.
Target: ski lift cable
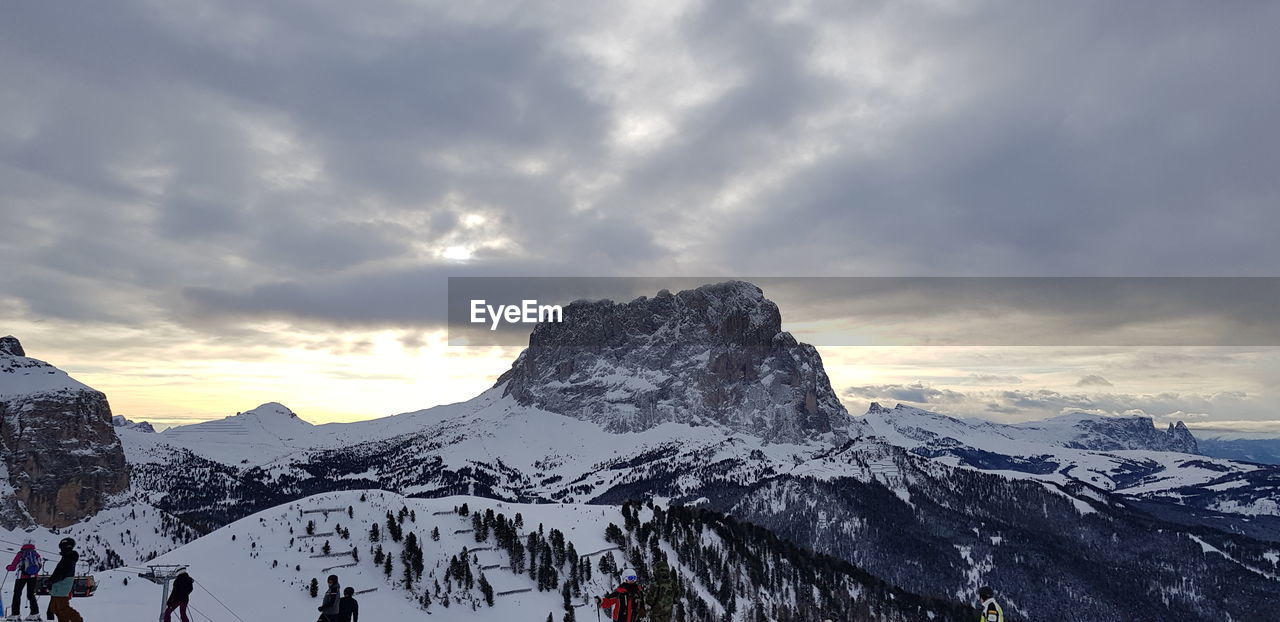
{"points": [[200, 613], [219, 601]]}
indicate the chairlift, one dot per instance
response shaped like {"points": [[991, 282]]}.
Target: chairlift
{"points": [[82, 586]]}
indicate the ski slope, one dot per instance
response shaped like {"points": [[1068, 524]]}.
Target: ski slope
{"points": [[252, 568]]}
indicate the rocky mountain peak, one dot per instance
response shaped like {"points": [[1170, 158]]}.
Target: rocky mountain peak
{"points": [[60, 451], [120, 421], [1181, 439], [11, 346], [715, 355], [1101, 433]]}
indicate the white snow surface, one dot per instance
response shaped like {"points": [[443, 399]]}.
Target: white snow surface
{"points": [[483, 430], [235, 563], [23, 375], [913, 428]]}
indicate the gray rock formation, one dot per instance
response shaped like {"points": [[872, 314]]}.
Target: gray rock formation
{"points": [[715, 355], [120, 421], [1118, 433], [61, 454]]}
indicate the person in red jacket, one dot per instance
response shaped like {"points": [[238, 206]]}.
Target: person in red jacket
{"points": [[27, 563], [625, 604]]}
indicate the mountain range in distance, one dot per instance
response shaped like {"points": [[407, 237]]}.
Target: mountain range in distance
{"points": [[699, 400]]}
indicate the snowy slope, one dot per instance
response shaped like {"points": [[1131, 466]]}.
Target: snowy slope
{"points": [[22, 375], [260, 567], [125, 533], [524, 452], [267, 432]]}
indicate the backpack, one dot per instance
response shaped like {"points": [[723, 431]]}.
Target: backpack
{"points": [[30, 562], [992, 614]]}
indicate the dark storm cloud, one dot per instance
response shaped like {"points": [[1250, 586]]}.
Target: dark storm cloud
{"points": [[306, 161], [1068, 138]]}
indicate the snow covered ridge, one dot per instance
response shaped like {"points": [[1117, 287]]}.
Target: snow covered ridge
{"points": [[20, 375], [471, 559], [1122, 454]]}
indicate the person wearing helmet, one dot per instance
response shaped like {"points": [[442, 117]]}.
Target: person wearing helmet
{"points": [[990, 610], [27, 563], [625, 604], [61, 581]]}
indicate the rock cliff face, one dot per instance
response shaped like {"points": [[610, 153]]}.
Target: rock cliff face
{"points": [[715, 355], [1118, 433], [61, 453]]}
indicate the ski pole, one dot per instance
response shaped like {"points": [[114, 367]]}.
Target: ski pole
{"points": [[2, 584]]}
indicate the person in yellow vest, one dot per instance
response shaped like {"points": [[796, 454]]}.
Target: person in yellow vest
{"points": [[990, 610]]}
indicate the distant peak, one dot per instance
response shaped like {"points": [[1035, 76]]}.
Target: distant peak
{"points": [[11, 346], [877, 408], [273, 409]]}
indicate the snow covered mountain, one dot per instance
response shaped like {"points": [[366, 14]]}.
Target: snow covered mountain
{"points": [[1124, 454], [120, 421], [709, 406], [1127, 456], [61, 458]]}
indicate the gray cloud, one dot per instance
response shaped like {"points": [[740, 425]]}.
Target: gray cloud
{"points": [[917, 393], [310, 163], [1093, 380]]}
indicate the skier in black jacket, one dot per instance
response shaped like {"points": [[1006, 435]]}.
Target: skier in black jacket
{"points": [[61, 582], [183, 585], [348, 606]]}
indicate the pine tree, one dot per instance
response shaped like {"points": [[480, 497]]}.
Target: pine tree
{"points": [[608, 565], [661, 594], [374, 534], [435, 534], [314, 589], [386, 565], [613, 535], [486, 590]]}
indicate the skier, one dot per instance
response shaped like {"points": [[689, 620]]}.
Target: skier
{"points": [[625, 604], [329, 607], [61, 582], [349, 607], [990, 610], [27, 563], [183, 585]]}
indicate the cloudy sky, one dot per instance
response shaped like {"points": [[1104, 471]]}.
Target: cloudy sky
{"points": [[204, 206]]}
